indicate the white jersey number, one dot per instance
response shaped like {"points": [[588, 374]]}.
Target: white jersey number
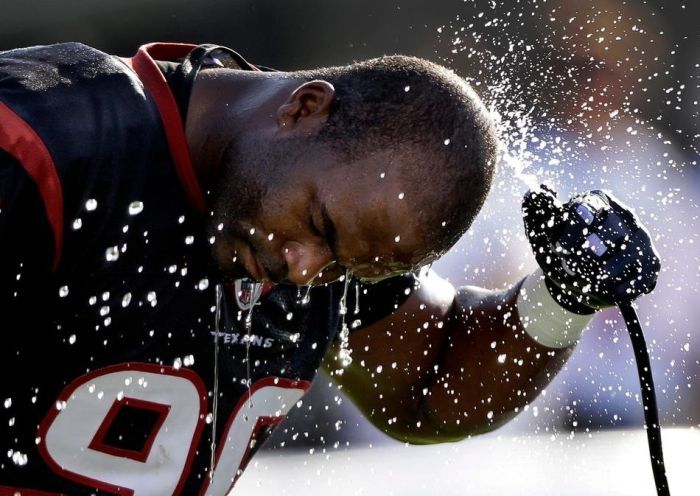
{"points": [[73, 434]]}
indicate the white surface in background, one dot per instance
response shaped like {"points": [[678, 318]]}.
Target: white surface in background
{"points": [[612, 463]]}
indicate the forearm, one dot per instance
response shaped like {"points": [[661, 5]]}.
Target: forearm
{"points": [[448, 364], [491, 367]]}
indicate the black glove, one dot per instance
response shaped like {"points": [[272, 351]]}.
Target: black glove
{"points": [[593, 250]]}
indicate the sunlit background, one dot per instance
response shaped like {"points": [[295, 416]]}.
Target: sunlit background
{"points": [[589, 94]]}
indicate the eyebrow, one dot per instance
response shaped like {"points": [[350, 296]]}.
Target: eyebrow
{"points": [[330, 232]]}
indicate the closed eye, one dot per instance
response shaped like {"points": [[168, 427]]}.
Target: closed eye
{"points": [[326, 231], [330, 232], [315, 230]]}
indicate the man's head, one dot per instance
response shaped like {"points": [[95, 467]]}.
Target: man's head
{"points": [[376, 168]]}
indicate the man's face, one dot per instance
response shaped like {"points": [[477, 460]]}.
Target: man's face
{"points": [[312, 225]]}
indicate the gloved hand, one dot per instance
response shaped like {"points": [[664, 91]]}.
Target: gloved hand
{"points": [[593, 250]]}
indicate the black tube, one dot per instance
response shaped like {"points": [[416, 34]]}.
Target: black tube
{"points": [[651, 411]]}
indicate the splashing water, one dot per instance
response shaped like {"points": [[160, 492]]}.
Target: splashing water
{"points": [[513, 152], [306, 299], [583, 97], [255, 290], [357, 299], [215, 401], [344, 353], [307, 296]]}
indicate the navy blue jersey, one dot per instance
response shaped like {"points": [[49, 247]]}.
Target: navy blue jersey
{"points": [[108, 291]]}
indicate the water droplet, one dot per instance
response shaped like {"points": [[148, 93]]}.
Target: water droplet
{"points": [[203, 284], [252, 231], [447, 141], [189, 240], [270, 236], [63, 291], [397, 238], [151, 296], [135, 208], [290, 316], [407, 89], [77, 224], [91, 205], [401, 196], [19, 459], [72, 339], [8, 402], [126, 299], [112, 253]]}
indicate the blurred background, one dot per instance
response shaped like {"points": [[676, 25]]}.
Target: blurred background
{"points": [[589, 94]]}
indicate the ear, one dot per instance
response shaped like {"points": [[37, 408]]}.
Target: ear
{"points": [[306, 109]]}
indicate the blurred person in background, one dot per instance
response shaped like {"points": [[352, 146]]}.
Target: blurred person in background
{"points": [[591, 88]]}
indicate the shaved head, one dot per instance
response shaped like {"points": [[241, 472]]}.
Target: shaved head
{"points": [[431, 120]]}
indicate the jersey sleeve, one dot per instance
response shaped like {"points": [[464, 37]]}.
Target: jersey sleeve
{"points": [[26, 239]]}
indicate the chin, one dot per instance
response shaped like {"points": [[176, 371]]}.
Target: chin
{"points": [[232, 273]]}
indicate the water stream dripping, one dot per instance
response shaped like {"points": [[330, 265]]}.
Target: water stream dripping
{"points": [[255, 289], [307, 296], [344, 352], [215, 401], [357, 298]]}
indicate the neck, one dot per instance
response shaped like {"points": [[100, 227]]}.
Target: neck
{"points": [[224, 105]]}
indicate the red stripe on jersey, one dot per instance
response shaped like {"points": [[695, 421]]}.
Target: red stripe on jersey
{"points": [[21, 141], [153, 79]]}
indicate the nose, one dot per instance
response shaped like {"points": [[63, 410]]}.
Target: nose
{"points": [[305, 261]]}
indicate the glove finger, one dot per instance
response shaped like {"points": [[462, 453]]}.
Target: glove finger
{"points": [[635, 270], [541, 211], [542, 216], [621, 209]]}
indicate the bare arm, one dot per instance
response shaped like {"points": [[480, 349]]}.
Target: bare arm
{"points": [[446, 364]]}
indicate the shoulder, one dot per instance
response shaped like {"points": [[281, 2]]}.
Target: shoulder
{"points": [[38, 66]]}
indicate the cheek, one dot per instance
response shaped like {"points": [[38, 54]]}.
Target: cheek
{"points": [[283, 219]]}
